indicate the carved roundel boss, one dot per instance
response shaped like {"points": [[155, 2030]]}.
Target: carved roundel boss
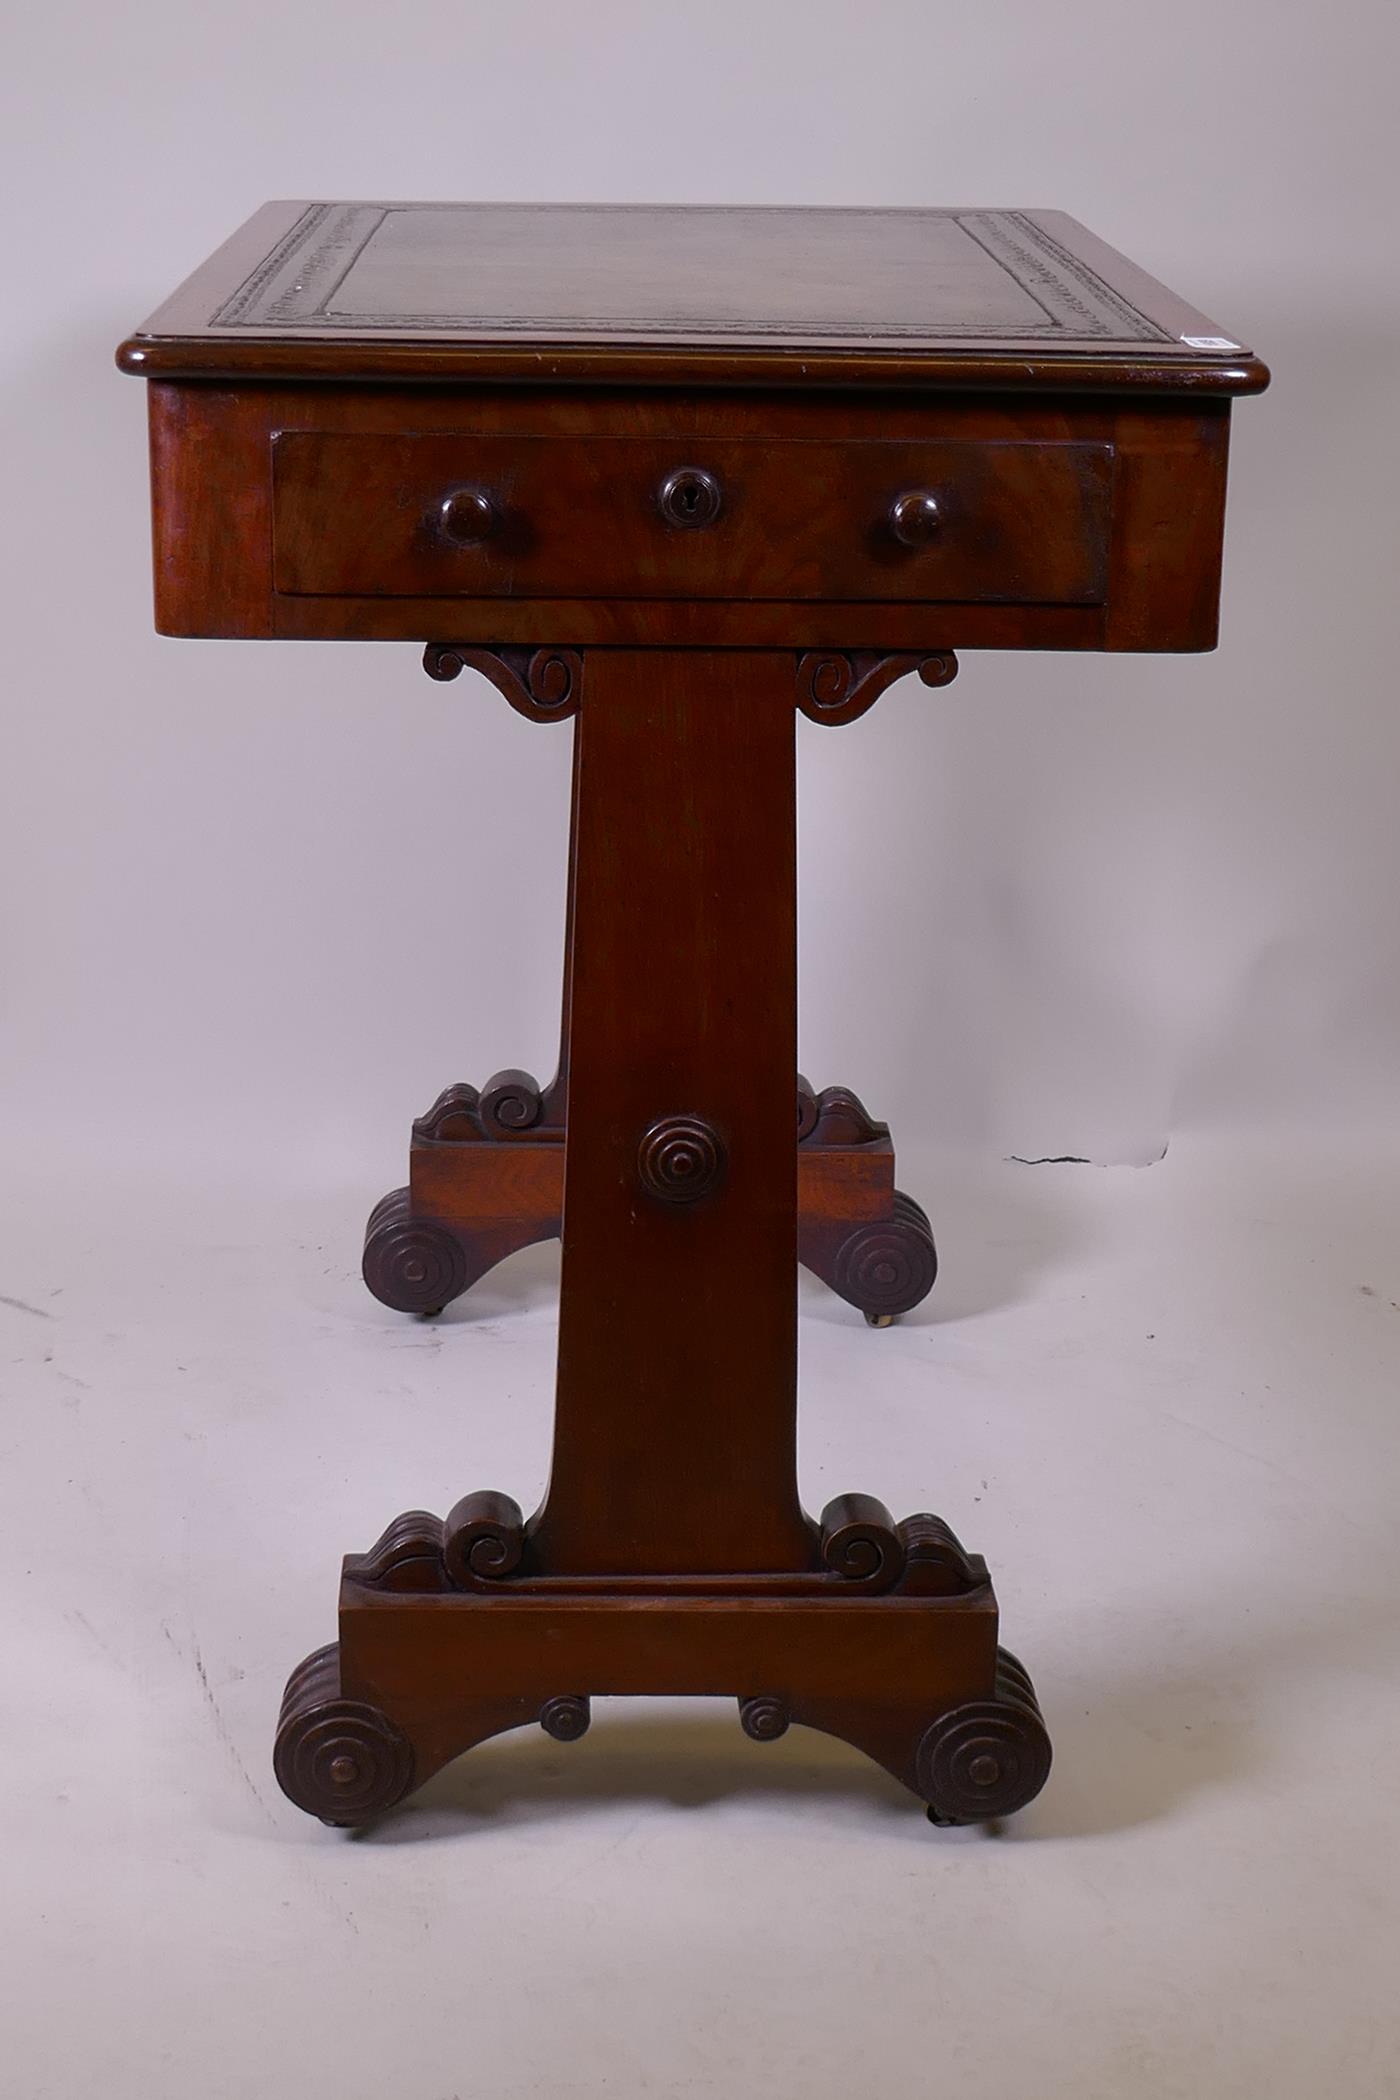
{"points": [[681, 1160]]}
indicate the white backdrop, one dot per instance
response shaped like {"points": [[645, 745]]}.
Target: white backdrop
{"points": [[262, 901]]}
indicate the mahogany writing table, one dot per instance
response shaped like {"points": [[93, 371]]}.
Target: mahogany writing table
{"points": [[677, 474]]}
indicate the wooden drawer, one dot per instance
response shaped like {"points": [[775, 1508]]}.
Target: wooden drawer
{"points": [[586, 517]]}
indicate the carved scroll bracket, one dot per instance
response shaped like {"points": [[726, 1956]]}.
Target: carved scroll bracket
{"points": [[837, 686], [485, 1545], [835, 1116], [512, 1105], [544, 685]]}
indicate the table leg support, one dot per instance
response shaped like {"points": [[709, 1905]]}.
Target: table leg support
{"points": [[671, 1554], [477, 1194], [933, 1699]]}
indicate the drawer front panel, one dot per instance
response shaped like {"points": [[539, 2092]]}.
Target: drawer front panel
{"points": [[444, 516]]}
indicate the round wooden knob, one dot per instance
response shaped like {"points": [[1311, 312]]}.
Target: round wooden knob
{"points": [[690, 497], [466, 517], [915, 517]]}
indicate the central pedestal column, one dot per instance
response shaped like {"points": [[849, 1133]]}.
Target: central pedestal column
{"points": [[675, 1418]]}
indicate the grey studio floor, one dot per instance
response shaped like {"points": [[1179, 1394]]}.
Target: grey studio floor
{"points": [[1162, 1401]]}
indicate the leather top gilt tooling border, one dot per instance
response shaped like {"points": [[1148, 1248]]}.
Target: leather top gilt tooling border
{"points": [[293, 288]]}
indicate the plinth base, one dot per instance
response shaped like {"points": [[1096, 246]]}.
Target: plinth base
{"points": [[916, 1681]]}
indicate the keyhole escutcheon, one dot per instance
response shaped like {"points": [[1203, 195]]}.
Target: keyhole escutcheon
{"points": [[689, 498]]}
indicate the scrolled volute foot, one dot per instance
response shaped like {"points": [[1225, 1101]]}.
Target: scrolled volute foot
{"points": [[890, 1265], [988, 1757], [339, 1759], [411, 1263]]}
